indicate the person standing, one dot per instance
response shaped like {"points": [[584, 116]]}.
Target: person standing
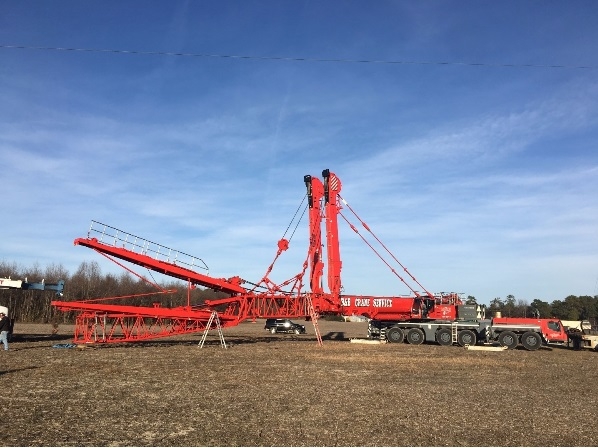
{"points": [[4, 327]]}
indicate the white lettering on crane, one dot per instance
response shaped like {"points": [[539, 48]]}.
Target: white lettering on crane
{"points": [[382, 303], [362, 302], [366, 302]]}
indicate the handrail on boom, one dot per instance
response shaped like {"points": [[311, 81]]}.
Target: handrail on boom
{"points": [[118, 238]]}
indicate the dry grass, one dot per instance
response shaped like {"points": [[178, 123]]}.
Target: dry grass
{"points": [[279, 390]]}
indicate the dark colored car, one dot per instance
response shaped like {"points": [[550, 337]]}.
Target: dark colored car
{"points": [[283, 326]]}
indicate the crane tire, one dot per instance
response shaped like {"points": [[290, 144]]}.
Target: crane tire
{"points": [[444, 337], [531, 340], [508, 339], [466, 337], [415, 336], [395, 335]]}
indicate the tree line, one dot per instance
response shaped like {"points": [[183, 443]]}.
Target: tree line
{"points": [[88, 282], [570, 308]]}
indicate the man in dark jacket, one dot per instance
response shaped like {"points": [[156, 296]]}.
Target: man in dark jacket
{"points": [[4, 327]]}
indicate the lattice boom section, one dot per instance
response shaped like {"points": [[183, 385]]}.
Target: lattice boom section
{"points": [[262, 306], [114, 328]]}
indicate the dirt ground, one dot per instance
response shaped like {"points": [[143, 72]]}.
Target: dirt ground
{"points": [[284, 390]]}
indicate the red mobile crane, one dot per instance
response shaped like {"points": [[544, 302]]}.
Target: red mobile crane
{"points": [[416, 318]]}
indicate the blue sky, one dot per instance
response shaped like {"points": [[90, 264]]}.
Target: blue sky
{"points": [[481, 179]]}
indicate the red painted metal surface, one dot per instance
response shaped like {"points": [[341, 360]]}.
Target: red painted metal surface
{"points": [[315, 192], [551, 329], [109, 323], [332, 187], [231, 285]]}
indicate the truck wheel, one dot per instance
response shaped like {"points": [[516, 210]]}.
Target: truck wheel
{"points": [[508, 339], [415, 336], [466, 337], [395, 334], [531, 340], [444, 336]]}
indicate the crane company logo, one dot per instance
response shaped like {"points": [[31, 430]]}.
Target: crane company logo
{"points": [[367, 301]]}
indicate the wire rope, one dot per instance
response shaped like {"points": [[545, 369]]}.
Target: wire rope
{"points": [[299, 59]]}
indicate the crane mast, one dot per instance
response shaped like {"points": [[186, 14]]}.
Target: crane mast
{"points": [[315, 192], [332, 187]]}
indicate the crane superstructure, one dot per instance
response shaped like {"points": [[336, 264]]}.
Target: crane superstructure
{"points": [[99, 320]]}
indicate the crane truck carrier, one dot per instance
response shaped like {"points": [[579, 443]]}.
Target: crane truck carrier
{"points": [[418, 317], [508, 332]]}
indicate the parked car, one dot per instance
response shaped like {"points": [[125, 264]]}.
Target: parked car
{"points": [[283, 326]]}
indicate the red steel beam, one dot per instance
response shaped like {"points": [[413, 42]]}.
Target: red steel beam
{"points": [[231, 285]]}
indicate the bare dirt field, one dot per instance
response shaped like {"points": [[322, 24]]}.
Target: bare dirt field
{"points": [[283, 390]]}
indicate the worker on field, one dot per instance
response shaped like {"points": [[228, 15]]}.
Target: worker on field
{"points": [[4, 327]]}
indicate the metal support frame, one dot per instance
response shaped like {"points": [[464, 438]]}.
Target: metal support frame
{"points": [[213, 318]]}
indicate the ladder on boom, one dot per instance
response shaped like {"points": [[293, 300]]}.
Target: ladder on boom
{"points": [[213, 318], [314, 319]]}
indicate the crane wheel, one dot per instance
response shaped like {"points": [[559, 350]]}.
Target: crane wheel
{"points": [[466, 337], [444, 337], [508, 339], [415, 336], [531, 340], [395, 335]]}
